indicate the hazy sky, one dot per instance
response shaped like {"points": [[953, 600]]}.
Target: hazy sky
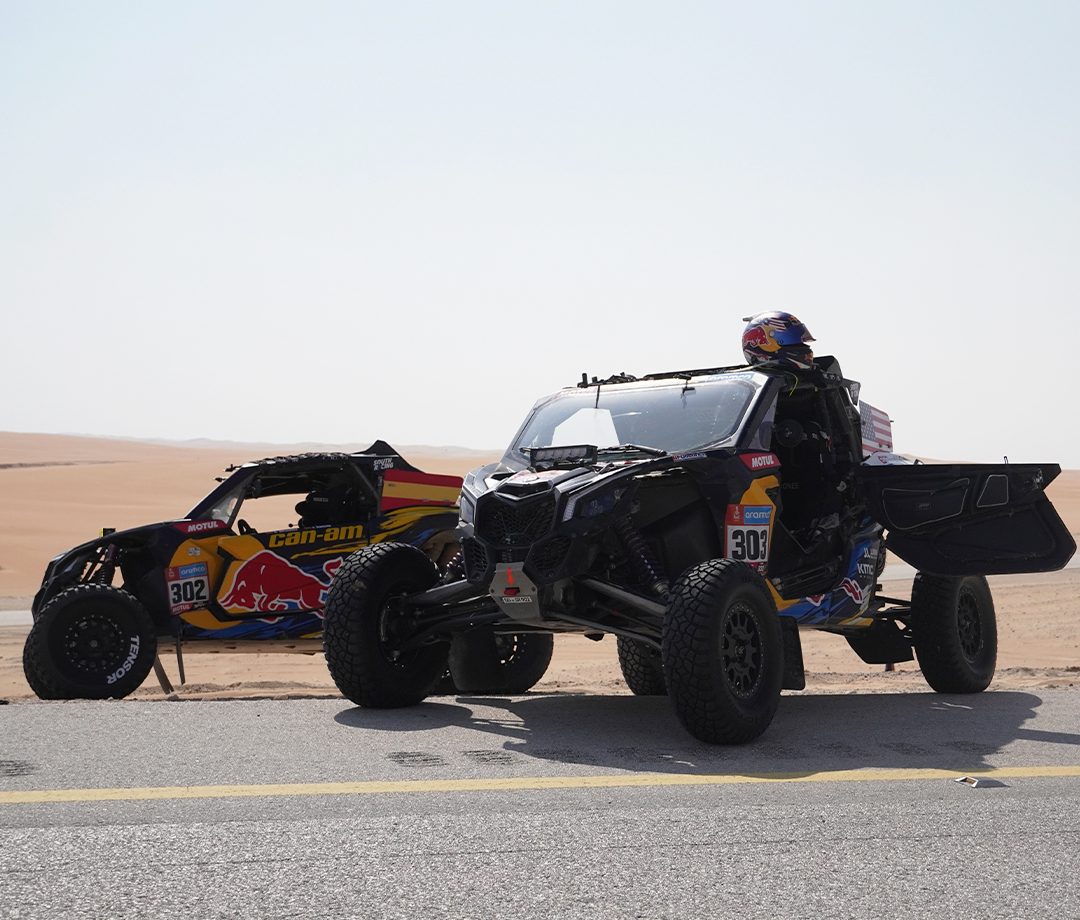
{"points": [[339, 221]]}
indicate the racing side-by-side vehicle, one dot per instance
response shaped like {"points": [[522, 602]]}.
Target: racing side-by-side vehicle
{"points": [[702, 517], [232, 574]]}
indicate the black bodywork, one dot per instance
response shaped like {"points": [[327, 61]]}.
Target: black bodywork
{"points": [[578, 539]]}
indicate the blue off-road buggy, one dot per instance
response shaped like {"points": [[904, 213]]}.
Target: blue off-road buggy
{"points": [[703, 518]]}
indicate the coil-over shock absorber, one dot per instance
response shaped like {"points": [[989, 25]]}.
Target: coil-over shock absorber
{"points": [[648, 569], [455, 568]]}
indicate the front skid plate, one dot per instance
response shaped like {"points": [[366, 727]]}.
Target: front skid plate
{"points": [[516, 593]]}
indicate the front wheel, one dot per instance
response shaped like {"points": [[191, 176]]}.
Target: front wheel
{"points": [[723, 652], [90, 642], [366, 629], [954, 630]]}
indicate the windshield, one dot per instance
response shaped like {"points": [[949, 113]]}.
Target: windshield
{"points": [[665, 416]]}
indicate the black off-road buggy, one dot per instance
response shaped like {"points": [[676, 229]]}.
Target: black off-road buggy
{"points": [[703, 518], [234, 573]]}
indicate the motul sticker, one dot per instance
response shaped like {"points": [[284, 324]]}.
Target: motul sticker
{"points": [[200, 526], [747, 534], [761, 461]]}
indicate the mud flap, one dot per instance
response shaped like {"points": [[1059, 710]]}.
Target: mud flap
{"points": [[794, 674], [474, 662], [881, 643]]}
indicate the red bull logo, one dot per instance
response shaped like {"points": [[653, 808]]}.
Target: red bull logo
{"points": [[853, 590], [759, 337], [268, 583]]}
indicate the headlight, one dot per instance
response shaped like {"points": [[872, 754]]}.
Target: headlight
{"points": [[466, 508], [593, 504]]}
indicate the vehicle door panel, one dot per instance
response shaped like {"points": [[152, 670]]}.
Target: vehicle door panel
{"points": [[968, 518]]}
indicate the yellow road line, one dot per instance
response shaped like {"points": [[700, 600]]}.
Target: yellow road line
{"points": [[514, 784]]}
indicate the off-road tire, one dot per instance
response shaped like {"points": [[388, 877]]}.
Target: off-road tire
{"points": [[723, 652], [642, 667], [359, 619], [43, 688], [90, 642], [954, 630], [525, 658]]}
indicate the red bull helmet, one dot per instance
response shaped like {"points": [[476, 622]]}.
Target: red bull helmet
{"points": [[777, 338]]}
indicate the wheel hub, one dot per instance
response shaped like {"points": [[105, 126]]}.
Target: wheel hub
{"points": [[94, 644], [969, 626], [740, 650]]}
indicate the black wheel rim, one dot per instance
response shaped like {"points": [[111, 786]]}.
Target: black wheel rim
{"points": [[95, 644], [969, 625], [740, 650], [507, 647], [394, 628]]}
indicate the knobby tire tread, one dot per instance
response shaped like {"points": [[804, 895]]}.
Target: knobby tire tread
{"points": [[45, 676], [642, 668], [934, 601], [704, 708], [353, 659]]}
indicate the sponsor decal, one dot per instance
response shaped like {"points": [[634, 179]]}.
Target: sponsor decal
{"points": [[268, 583], [302, 537], [188, 586], [518, 599], [750, 515], [815, 599], [747, 533], [529, 476], [867, 564], [383, 463], [759, 337], [761, 461], [853, 590], [698, 456], [200, 526], [133, 653]]}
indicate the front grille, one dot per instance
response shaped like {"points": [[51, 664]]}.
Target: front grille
{"points": [[515, 524], [475, 559], [548, 556], [513, 555]]}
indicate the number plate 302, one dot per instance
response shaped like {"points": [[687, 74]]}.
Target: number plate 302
{"points": [[189, 587]]}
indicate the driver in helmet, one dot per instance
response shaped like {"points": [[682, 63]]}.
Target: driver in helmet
{"points": [[777, 338]]}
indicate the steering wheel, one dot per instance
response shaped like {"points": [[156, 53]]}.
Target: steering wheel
{"points": [[244, 527]]}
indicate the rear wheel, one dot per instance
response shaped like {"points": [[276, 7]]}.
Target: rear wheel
{"points": [[366, 628], [954, 630], [90, 642], [642, 667], [483, 661], [723, 652]]}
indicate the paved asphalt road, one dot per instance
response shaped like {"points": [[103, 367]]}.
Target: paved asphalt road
{"points": [[520, 808]]}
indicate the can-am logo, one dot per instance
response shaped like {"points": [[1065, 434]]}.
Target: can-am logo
{"points": [[761, 461]]}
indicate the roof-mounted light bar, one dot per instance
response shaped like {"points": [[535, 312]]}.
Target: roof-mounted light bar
{"points": [[579, 454]]}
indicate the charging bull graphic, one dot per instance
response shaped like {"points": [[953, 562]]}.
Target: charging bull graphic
{"points": [[267, 583]]}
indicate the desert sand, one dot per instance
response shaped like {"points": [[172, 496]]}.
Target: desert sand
{"points": [[57, 491]]}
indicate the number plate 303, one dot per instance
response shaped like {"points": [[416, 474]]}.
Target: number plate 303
{"points": [[747, 533], [189, 587]]}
